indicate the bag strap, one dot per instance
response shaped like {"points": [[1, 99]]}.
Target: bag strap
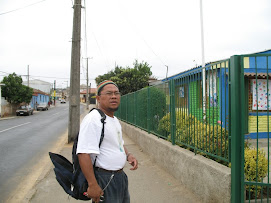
{"points": [[101, 139], [102, 133]]}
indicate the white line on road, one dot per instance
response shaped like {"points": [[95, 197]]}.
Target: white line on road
{"points": [[14, 127]]}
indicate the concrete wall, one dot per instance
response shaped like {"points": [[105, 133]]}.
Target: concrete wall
{"points": [[8, 109], [206, 178]]}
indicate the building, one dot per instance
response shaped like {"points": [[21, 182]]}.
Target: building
{"points": [[92, 95], [39, 85], [39, 97], [257, 77]]}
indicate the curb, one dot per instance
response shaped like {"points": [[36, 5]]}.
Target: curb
{"points": [[7, 118]]}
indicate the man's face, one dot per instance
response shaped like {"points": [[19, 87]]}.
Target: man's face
{"points": [[109, 98]]}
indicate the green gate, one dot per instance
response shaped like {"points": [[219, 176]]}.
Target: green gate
{"points": [[250, 127]]}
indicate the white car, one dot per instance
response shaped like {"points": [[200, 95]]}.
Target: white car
{"points": [[42, 107], [62, 101]]}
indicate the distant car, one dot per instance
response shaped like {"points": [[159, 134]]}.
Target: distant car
{"points": [[42, 107], [62, 101], [24, 110]]}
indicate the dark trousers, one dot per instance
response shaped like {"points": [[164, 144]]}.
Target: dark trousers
{"points": [[117, 190]]}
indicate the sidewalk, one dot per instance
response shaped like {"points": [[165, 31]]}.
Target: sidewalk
{"points": [[149, 183]]}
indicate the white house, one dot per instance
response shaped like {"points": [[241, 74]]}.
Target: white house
{"points": [[40, 85]]}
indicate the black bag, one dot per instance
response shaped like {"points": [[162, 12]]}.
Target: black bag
{"points": [[69, 175]]}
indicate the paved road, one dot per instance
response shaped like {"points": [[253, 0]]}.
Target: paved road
{"points": [[24, 139]]}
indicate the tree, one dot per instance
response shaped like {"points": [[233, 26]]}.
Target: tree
{"points": [[15, 91], [128, 79]]}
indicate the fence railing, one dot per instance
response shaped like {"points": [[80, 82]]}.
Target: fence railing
{"points": [[256, 130], [187, 111], [221, 111]]}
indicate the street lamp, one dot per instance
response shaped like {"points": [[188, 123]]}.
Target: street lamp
{"points": [[203, 58], [1, 99]]}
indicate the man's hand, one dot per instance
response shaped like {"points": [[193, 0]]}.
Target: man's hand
{"points": [[132, 160], [94, 192]]}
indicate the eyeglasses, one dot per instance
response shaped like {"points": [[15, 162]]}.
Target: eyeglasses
{"points": [[110, 94]]}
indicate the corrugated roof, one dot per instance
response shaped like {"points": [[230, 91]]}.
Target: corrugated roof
{"points": [[36, 92]]}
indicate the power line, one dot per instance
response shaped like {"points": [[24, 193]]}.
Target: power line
{"points": [[35, 76], [105, 58], [21, 8], [85, 28], [84, 38], [133, 26]]}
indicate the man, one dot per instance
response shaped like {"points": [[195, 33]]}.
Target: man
{"points": [[109, 180]]}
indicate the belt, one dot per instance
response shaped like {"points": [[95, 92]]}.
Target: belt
{"points": [[108, 171]]}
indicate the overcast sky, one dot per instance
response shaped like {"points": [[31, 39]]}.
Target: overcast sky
{"points": [[160, 32]]}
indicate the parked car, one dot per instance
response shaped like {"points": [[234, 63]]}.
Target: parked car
{"points": [[42, 107], [24, 110], [63, 101]]}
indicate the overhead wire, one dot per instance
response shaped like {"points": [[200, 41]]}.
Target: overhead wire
{"points": [[21, 7], [105, 59], [36, 76], [136, 30], [101, 52], [85, 39]]}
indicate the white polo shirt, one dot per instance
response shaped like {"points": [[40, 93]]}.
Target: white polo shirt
{"points": [[111, 155]]}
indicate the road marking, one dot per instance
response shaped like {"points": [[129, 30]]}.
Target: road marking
{"points": [[55, 114], [14, 127]]}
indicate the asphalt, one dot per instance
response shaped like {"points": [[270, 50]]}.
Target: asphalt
{"points": [[149, 183]]}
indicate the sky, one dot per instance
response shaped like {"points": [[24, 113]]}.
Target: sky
{"points": [[38, 33]]}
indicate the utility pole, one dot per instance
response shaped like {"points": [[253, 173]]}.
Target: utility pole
{"points": [[28, 75], [167, 71], [74, 103], [87, 93], [54, 92], [203, 61], [87, 87], [1, 100]]}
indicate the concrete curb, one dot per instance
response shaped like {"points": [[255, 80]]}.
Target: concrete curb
{"points": [[7, 118]]}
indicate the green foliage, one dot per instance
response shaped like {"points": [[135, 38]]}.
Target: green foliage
{"points": [[164, 125], [256, 168], [15, 91], [157, 105], [214, 139], [191, 132], [128, 79]]}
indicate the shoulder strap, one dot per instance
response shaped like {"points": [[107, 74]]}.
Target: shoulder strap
{"points": [[103, 122], [102, 133], [75, 157]]}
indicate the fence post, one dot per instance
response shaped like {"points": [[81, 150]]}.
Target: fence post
{"points": [[148, 110], [236, 87], [135, 110], [172, 111]]}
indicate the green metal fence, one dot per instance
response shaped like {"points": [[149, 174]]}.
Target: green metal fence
{"points": [[145, 108], [255, 71], [220, 111], [187, 111]]}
